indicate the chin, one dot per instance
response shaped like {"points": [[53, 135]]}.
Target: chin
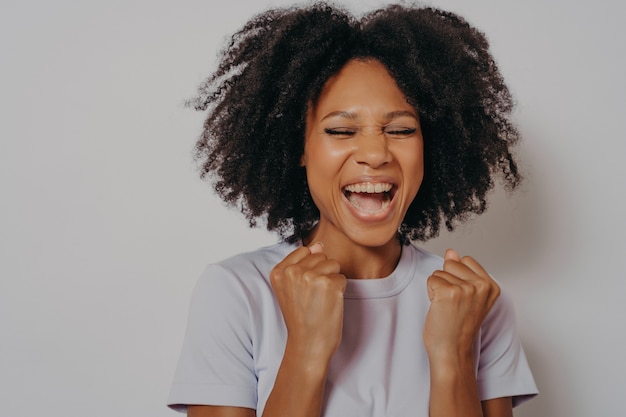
{"points": [[374, 238]]}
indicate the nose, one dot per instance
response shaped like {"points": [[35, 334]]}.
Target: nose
{"points": [[372, 149]]}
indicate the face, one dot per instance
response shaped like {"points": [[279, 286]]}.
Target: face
{"points": [[363, 155]]}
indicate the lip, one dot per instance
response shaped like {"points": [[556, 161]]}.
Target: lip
{"points": [[383, 214]]}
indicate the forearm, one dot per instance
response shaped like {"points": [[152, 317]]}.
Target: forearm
{"points": [[309, 289], [461, 296], [299, 387], [453, 387]]}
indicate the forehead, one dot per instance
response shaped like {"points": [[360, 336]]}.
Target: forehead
{"points": [[361, 84]]}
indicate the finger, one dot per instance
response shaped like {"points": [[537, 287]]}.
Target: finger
{"points": [[299, 254], [458, 268], [307, 256], [472, 264], [341, 280], [319, 265], [294, 257], [481, 281], [451, 254], [441, 282], [440, 279], [317, 247]]}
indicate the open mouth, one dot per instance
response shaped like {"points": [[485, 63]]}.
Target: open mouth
{"points": [[368, 197]]}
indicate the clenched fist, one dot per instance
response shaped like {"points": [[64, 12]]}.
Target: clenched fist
{"points": [[461, 295], [309, 289]]}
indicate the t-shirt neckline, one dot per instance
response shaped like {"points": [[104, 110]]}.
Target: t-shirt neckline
{"points": [[388, 286]]}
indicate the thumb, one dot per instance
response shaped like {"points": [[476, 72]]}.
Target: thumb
{"points": [[451, 255], [317, 247]]}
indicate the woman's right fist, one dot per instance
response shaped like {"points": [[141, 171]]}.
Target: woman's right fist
{"points": [[309, 289]]}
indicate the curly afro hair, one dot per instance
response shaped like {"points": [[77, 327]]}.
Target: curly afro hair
{"points": [[277, 65]]}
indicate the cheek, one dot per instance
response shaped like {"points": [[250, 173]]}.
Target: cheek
{"points": [[412, 161], [316, 171], [323, 164], [319, 189], [418, 167], [323, 157]]}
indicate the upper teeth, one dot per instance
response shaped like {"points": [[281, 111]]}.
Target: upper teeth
{"points": [[368, 187]]}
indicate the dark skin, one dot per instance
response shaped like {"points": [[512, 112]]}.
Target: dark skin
{"points": [[363, 133], [497, 407]]}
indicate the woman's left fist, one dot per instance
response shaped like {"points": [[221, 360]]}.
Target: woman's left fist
{"points": [[461, 296]]}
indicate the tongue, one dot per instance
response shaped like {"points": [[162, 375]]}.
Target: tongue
{"points": [[367, 201]]}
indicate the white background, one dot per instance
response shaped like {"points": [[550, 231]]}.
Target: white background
{"points": [[105, 225]]}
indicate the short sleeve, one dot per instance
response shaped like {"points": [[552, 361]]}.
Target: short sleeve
{"points": [[503, 370], [216, 365]]}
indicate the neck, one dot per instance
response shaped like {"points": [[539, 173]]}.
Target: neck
{"points": [[359, 261]]}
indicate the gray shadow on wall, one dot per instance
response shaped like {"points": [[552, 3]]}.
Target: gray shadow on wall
{"points": [[509, 240], [508, 236], [551, 400]]}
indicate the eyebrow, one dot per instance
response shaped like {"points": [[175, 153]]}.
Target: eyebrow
{"points": [[399, 113], [342, 114], [353, 116]]}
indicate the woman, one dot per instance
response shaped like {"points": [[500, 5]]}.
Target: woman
{"points": [[350, 138]]}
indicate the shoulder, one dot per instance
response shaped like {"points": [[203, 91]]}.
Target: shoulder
{"points": [[247, 266], [423, 255], [240, 277], [230, 293], [424, 261], [501, 318], [259, 260]]}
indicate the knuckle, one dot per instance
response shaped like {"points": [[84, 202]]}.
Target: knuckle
{"points": [[325, 283], [275, 275], [339, 284], [432, 281], [316, 282], [482, 286], [435, 276], [335, 264], [317, 257], [292, 270], [496, 290], [470, 290], [309, 276], [342, 279], [455, 293]]}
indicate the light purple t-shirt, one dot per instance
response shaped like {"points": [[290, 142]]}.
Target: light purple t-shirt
{"points": [[236, 338]]}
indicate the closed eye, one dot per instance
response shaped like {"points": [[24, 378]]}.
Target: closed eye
{"points": [[401, 131], [340, 132]]}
